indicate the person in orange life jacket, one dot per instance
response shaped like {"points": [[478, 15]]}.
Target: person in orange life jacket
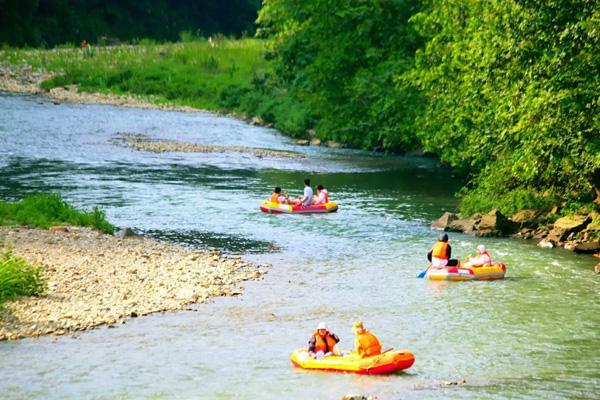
{"points": [[439, 255], [481, 258], [321, 197], [323, 343], [277, 197], [365, 344]]}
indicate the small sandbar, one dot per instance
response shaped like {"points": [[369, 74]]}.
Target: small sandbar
{"points": [[141, 142], [96, 279]]}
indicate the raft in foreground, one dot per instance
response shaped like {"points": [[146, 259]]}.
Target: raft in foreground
{"points": [[278, 208], [487, 272], [384, 363]]}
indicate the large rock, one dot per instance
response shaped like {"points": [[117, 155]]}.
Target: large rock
{"points": [[564, 226], [444, 221], [494, 223], [588, 247], [466, 225], [526, 218]]}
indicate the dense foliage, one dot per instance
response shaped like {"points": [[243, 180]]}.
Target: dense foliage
{"points": [[52, 22], [45, 210], [340, 58], [18, 278], [505, 90]]}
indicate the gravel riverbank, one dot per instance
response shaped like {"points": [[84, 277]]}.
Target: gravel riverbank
{"points": [[96, 279]]}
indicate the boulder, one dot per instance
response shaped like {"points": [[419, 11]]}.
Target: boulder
{"points": [[587, 247], [256, 121], [315, 142], [494, 223], [59, 228], [546, 244], [444, 221], [525, 218], [333, 145], [564, 226], [597, 268], [301, 142], [467, 225]]}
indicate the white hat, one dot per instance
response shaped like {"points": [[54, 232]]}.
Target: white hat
{"points": [[481, 248], [322, 326]]}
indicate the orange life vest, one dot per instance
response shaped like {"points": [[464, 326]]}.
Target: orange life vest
{"points": [[324, 344], [440, 250], [275, 198], [367, 344]]}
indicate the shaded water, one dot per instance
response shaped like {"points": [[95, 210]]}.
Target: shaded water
{"points": [[533, 335]]}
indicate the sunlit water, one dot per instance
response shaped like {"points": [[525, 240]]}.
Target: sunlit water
{"points": [[533, 335]]}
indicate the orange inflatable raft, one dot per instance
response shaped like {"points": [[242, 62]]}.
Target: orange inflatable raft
{"points": [[384, 363]]}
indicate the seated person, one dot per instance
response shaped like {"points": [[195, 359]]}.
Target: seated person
{"points": [[323, 343], [277, 197], [305, 199], [321, 197], [439, 255], [481, 258], [365, 344]]}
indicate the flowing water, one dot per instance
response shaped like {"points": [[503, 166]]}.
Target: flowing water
{"points": [[533, 335]]}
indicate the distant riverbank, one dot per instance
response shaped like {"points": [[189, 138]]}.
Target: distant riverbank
{"points": [[96, 279]]}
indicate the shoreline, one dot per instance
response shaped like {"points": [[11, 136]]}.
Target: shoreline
{"points": [[94, 279]]}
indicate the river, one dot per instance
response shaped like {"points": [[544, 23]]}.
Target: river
{"points": [[533, 335]]}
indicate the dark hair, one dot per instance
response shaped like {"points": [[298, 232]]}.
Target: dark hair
{"points": [[277, 189], [443, 237], [307, 182], [320, 187]]}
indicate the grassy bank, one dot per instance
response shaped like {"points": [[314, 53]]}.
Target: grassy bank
{"points": [[45, 210], [17, 278], [218, 75]]}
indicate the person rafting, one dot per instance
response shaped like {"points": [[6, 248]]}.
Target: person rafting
{"points": [[277, 197], [323, 343], [305, 199], [365, 343], [321, 197], [480, 259], [439, 255]]}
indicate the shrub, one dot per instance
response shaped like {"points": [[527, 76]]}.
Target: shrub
{"points": [[18, 278]]}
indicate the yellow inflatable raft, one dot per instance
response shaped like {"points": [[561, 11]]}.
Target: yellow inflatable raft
{"points": [[384, 363], [486, 272]]}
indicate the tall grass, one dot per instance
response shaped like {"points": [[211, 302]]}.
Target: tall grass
{"points": [[45, 210], [219, 75], [18, 278]]}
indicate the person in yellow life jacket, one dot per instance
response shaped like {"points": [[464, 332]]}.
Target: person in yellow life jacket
{"points": [[439, 255], [323, 343], [365, 344], [277, 197]]}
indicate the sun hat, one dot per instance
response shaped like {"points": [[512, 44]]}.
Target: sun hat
{"points": [[322, 326], [481, 248]]}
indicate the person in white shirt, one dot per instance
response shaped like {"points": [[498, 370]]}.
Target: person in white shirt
{"points": [[481, 258], [306, 198]]}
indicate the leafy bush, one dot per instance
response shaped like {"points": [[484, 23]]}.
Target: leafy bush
{"points": [[45, 210], [18, 278]]}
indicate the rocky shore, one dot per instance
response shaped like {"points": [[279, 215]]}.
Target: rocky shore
{"points": [[578, 232], [96, 279], [141, 142]]}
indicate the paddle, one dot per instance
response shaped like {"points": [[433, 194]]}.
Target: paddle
{"points": [[422, 274], [381, 355]]}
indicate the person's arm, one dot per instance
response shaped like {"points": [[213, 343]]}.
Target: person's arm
{"points": [[429, 255], [311, 344], [449, 252]]}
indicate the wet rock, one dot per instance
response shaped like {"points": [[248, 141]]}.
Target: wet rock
{"points": [[126, 232], [587, 247], [300, 142], [546, 244], [357, 397], [494, 223], [467, 225], [444, 221], [597, 268], [256, 121], [526, 218], [333, 145], [315, 142], [564, 226]]}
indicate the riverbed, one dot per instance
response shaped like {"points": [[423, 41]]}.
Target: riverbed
{"points": [[532, 335]]}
